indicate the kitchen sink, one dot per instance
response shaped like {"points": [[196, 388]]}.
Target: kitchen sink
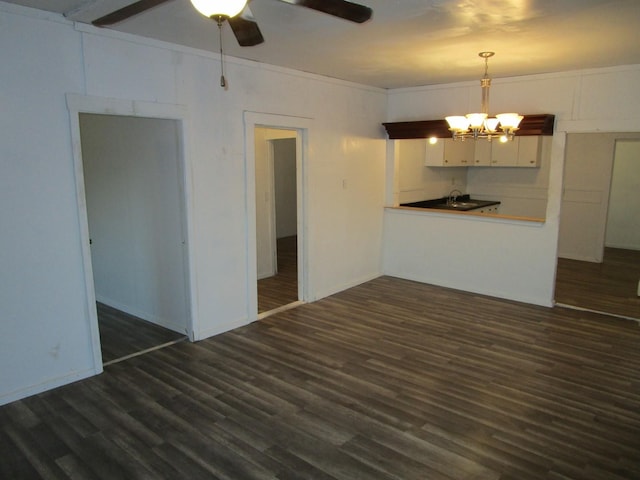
{"points": [[460, 205], [463, 204]]}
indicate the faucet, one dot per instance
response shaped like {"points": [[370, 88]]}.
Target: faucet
{"points": [[453, 197]]}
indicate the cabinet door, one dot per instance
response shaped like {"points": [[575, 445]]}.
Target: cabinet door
{"points": [[434, 153], [458, 153], [529, 151], [504, 154], [482, 153]]}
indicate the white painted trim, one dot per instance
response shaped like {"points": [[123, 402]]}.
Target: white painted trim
{"points": [[597, 312], [77, 104], [303, 128], [271, 192], [91, 312]]}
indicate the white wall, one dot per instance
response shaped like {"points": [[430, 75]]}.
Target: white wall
{"points": [[46, 336], [623, 218], [521, 191], [417, 182], [135, 209], [455, 251], [514, 260]]}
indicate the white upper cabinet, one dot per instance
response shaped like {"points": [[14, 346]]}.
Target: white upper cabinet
{"points": [[521, 152], [504, 154], [529, 151], [434, 153], [446, 152], [482, 154], [458, 153]]}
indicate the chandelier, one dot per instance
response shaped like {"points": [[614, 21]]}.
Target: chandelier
{"points": [[480, 125]]}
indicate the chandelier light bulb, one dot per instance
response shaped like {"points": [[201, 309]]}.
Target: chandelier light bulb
{"points": [[509, 120], [491, 124], [476, 120], [458, 123]]}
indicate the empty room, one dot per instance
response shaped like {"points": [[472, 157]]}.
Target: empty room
{"points": [[320, 240]]}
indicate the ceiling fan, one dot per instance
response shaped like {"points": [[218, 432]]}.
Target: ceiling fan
{"points": [[239, 16]]}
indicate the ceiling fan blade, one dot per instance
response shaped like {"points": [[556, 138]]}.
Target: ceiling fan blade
{"points": [[338, 8], [246, 29], [126, 12]]}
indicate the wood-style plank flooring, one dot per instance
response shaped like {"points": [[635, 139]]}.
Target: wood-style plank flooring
{"points": [[122, 334], [610, 286], [282, 288], [389, 380]]}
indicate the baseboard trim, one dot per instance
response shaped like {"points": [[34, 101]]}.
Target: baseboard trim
{"points": [[47, 385], [598, 312]]}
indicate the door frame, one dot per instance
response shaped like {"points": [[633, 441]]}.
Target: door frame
{"points": [[77, 104], [273, 237], [303, 127]]}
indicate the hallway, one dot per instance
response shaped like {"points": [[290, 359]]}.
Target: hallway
{"points": [[610, 286], [123, 335], [282, 288]]}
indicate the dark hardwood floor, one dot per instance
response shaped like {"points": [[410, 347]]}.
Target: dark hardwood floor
{"points": [[281, 289], [389, 380], [610, 286], [122, 334]]}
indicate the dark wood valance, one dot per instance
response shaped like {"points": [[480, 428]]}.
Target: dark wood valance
{"points": [[531, 125]]}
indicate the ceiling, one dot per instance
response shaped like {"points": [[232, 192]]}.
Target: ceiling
{"points": [[407, 42]]}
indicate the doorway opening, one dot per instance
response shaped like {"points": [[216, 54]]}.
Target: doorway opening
{"points": [[132, 171], [599, 247], [276, 218], [263, 131]]}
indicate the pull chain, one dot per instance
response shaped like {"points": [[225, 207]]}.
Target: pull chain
{"points": [[223, 81]]}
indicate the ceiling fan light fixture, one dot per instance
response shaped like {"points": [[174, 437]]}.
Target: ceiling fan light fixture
{"points": [[219, 8]]}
